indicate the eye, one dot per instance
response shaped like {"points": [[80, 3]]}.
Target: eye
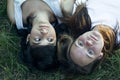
{"points": [[37, 39], [90, 53], [80, 43], [50, 39]]}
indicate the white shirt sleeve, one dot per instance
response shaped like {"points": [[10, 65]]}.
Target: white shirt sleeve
{"points": [[18, 13], [77, 3]]}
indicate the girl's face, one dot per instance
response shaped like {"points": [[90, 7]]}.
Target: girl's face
{"points": [[87, 48], [42, 34]]}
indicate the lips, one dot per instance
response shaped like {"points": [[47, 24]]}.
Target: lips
{"points": [[43, 26], [44, 29], [93, 37]]}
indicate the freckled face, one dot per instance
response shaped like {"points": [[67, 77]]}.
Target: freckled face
{"points": [[87, 48]]}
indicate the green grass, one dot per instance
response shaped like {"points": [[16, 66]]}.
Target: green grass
{"points": [[12, 69]]}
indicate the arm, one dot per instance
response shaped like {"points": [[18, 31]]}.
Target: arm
{"points": [[67, 7], [10, 10]]}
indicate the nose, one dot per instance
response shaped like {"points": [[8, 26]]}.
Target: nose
{"points": [[44, 31], [89, 43]]}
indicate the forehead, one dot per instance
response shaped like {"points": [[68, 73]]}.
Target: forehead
{"points": [[77, 55]]}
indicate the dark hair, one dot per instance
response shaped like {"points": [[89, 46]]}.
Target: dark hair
{"points": [[40, 57], [44, 57], [79, 23]]}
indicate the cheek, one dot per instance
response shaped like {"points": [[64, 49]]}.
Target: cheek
{"points": [[53, 32], [97, 49], [82, 38], [100, 46], [54, 35], [35, 32]]}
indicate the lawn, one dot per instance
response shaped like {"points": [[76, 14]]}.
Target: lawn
{"points": [[12, 69]]}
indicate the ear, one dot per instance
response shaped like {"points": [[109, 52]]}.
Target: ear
{"points": [[28, 38], [100, 56]]}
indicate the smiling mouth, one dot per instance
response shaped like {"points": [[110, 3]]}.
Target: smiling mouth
{"points": [[44, 27], [93, 37]]}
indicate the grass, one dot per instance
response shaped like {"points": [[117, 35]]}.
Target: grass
{"points": [[12, 69]]}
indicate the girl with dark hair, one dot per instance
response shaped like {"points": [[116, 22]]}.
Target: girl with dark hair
{"points": [[35, 21]]}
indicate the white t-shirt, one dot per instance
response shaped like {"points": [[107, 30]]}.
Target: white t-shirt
{"points": [[53, 4], [105, 12], [18, 13]]}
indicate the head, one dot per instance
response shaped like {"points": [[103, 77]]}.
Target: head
{"points": [[85, 53], [78, 54], [87, 48], [92, 46], [40, 43], [42, 31]]}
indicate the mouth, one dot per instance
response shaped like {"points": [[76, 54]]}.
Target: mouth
{"points": [[44, 28], [93, 37]]}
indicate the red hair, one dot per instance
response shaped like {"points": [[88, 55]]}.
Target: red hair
{"points": [[108, 36]]}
